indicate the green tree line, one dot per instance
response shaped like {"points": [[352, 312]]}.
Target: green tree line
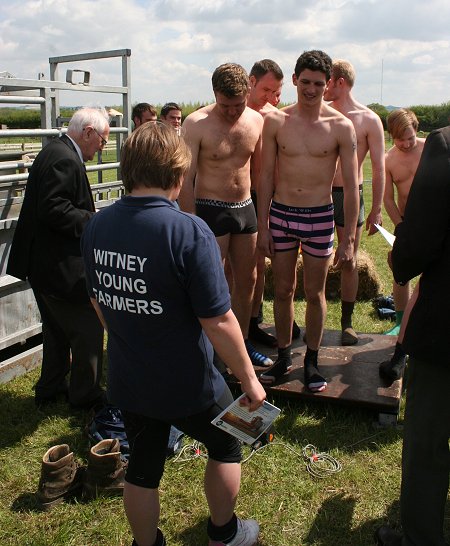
{"points": [[430, 117]]}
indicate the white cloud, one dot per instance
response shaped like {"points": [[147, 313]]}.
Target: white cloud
{"points": [[176, 44]]}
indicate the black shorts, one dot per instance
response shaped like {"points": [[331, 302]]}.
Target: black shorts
{"points": [[148, 440], [338, 202], [225, 218]]}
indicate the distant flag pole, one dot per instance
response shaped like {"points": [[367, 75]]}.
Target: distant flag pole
{"points": [[382, 70]]}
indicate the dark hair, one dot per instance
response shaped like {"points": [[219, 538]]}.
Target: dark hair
{"points": [[168, 107], [231, 80], [154, 156], [263, 67], [315, 60], [142, 107]]}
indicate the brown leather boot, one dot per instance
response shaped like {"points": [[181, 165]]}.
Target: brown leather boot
{"points": [[105, 471], [61, 477]]}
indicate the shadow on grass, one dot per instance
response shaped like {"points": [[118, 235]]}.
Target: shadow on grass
{"points": [[19, 417], [335, 518]]}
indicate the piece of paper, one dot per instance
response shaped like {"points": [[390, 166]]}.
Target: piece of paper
{"points": [[390, 238], [246, 425]]}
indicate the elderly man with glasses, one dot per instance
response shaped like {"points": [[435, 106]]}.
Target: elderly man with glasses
{"points": [[46, 250]]}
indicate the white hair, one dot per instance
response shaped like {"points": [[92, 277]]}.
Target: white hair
{"points": [[97, 118]]}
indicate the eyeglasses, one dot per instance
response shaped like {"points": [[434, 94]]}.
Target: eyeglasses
{"points": [[104, 142]]}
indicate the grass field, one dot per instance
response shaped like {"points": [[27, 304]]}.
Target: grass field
{"points": [[292, 507]]}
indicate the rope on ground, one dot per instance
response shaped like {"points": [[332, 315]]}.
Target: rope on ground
{"points": [[319, 465]]}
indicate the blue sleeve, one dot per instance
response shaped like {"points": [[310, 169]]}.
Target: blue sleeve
{"points": [[205, 277]]}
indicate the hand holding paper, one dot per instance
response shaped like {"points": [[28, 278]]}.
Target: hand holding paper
{"points": [[390, 238]]}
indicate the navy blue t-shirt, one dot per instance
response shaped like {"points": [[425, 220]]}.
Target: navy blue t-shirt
{"points": [[154, 269]]}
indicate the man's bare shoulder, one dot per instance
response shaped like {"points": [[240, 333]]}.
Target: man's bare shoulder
{"points": [[252, 116], [198, 115], [267, 108], [334, 117], [420, 143]]}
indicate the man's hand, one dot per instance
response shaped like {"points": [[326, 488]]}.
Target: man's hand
{"points": [[343, 254], [265, 243], [255, 394], [373, 218]]}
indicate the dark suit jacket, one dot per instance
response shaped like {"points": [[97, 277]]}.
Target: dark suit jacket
{"points": [[57, 205], [422, 246]]}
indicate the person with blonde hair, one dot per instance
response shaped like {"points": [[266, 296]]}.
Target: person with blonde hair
{"points": [[370, 140], [156, 279]]}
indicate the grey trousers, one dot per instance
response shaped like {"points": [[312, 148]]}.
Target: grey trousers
{"points": [[426, 454]]}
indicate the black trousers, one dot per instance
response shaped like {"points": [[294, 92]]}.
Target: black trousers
{"points": [[426, 454], [72, 350]]}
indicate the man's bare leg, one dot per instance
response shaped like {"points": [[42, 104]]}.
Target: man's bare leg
{"points": [[349, 290], [315, 271], [222, 482], [242, 256], [284, 269], [256, 333], [393, 369], [142, 510], [402, 295]]}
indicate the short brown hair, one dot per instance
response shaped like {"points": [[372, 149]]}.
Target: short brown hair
{"points": [[399, 120], [266, 66], [343, 69], [231, 80], [154, 156]]}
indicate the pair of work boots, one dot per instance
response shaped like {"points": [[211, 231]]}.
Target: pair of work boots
{"points": [[61, 476]]}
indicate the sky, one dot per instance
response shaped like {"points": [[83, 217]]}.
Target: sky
{"points": [[399, 48]]}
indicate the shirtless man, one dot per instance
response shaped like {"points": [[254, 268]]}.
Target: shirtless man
{"points": [[266, 81], [306, 140], [225, 141], [401, 165], [370, 139]]}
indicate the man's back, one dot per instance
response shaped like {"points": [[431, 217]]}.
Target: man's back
{"points": [[368, 129]]}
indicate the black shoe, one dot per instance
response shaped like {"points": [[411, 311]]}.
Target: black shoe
{"points": [[385, 536], [258, 335], [44, 401], [296, 332], [94, 405], [393, 369]]}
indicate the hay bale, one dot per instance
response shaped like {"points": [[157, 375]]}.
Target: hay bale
{"points": [[369, 280]]}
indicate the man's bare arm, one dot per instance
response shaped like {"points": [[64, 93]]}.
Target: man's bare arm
{"points": [[267, 183], [389, 199], [349, 168], [186, 199], [375, 141], [225, 335]]}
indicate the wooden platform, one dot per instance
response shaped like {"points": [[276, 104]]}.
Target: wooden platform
{"points": [[351, 373]]}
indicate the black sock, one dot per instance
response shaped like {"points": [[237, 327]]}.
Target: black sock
{"points": [[224, 533], [311, 356], [347, 312], [160, 540], [398, 353], [285, 352]]}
